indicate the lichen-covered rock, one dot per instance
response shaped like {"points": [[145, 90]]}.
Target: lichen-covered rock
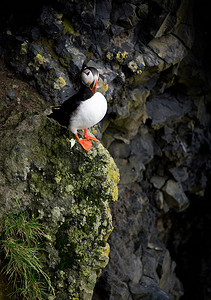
{"points": [[69, 190], [35, 60], [51, 21]]}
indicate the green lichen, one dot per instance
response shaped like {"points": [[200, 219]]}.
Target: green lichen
{"points": [[49, 44], [68, 27], [70, 190]]}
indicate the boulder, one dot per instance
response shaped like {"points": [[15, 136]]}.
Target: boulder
{"points": [[68, 189], [51, 22], [35, 61], [175, 196]]}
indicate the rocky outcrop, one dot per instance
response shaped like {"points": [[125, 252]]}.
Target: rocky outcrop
{"points": [[154, 72], [67, 189]]}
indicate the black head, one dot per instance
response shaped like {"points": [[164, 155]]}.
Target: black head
{"points": [[89, 77]]}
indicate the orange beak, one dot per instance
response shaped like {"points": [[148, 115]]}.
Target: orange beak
{"points": [[94, 88]]}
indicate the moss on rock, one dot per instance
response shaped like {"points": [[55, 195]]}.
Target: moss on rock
{"points": [[69, 189]]}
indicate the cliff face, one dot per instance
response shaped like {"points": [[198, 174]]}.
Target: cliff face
{"points": [[154, 69], [68, 189]]}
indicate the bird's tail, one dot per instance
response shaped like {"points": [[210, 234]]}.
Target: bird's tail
{"points": [[58, 115]]}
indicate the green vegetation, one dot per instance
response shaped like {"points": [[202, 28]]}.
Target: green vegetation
{"points": [[20, 240]]}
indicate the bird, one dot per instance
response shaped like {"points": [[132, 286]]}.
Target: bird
{"points": [[84, 109]]}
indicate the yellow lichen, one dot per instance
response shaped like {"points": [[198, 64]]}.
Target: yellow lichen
{"points": [[121, 56], [105, 252], [103, 89], [179, 18], [59, 18], [60, 83], [109, 56], [85, 272], [108, 233], [58, 177], [24, 46], [39, 59], [112, 173], [109, 24], [118, 56], [113, 176], [94, 131]]}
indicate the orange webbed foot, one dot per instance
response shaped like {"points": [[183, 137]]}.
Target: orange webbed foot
{"points": [[88, 137], [86, 144]]}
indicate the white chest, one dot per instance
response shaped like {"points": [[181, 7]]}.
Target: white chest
{"points": [[89, 113]]}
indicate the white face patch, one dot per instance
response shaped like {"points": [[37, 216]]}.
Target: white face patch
{"points": [[87, 77]]}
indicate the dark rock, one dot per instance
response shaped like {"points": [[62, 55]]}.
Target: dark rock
{"points": [[144, 147], [163, 109], [158, 181], [11, 94], [151, 59], [180, 174], [69, 56], [124, 15], [51, 80], [119, 149], [142, 10], [159, 200], [116, 30], [169, 48], [175, 196], [35, 33], [51, 21], [103, 10], [148, 291], [130, 169]]}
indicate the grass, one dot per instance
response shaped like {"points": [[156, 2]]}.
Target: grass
{"points": [[20, 245]]}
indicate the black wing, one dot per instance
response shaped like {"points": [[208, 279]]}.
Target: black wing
{"points": [[63, 113]]}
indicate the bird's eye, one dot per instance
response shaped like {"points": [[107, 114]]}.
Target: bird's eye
{"points": [[87, 77]]}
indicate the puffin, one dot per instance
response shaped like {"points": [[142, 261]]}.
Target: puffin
{"points": [[84, 109]]}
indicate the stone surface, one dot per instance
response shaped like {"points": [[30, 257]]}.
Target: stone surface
{"points": [[164, 109], [175, 196], [68, 189], [37, 62]]}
